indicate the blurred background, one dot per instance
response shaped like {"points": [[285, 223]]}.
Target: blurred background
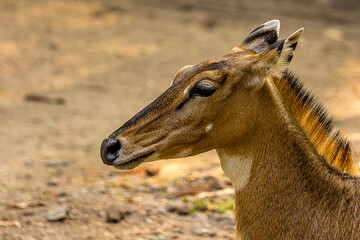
{"points": [[71, 72]]}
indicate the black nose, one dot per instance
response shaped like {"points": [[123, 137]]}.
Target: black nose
{"points": [[110, 148]]}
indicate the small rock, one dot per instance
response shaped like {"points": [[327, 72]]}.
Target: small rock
{"points": [[53, 46], [140, 189], [202, 231], [84, 190], [149, 211], [28, 213], [221, 221], [156, 189], [34, 97], [213, 183], [57, 214], [40, 225], [200, 218], [52, 182], [161, 211], [28, 162], [28, 176], [102, 190], [114, 214], [194, 186], [60, 193], [228, 182], [55, 163], [10, 223], [152, 170], [171, 189], [179, 208]]}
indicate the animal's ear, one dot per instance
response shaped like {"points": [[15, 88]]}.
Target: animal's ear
{"points": [[274, 60], [260, 38], [179, 72]]}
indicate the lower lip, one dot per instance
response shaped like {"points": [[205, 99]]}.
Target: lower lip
{"points": [[132, 163]]}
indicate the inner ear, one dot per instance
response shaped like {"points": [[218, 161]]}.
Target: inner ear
{"points": [[261, 37], [279, 55], [178, 73]]}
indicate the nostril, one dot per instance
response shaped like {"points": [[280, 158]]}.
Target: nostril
{"points": [[110, 149], [113, 149]]}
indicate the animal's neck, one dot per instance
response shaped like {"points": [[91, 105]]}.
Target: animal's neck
{"points": [[279, 177], [313, 121], [270, 141]]}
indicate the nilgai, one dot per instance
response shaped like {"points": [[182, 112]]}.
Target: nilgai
{"points": [[294, 176]]}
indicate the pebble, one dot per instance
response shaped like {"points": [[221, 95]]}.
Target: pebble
{"points": [[161, 211], [57, 214], [213, 183], [28, 162], [152, 170], [221, 221], [40, 225], [84, 190], [179, 208], [102, 190], [202, 231], [52, 182], [114, 214], [55, 163], [60, 193]]}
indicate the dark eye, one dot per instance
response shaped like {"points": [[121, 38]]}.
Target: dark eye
{"points": [[203, 90]]}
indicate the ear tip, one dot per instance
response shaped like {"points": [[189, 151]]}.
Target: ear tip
{"points": [[301, 30], [274, 21], [296, 35], [273, 24]]}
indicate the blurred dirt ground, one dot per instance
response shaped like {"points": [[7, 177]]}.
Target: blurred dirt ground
{"points": [[71, 72]]}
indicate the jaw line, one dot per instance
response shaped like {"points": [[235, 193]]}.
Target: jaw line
{"points": [[133, 162]]}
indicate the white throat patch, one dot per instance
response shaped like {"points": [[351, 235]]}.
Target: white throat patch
{"points": [[237, 168]]}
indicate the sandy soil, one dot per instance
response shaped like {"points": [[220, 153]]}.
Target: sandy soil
{"points": [[106, 60]]}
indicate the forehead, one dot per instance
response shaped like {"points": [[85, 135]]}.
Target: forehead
{"points": [[228, 61], [202, 67]]}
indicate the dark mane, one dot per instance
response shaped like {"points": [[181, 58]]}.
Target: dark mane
{"points": [[317, 125]]}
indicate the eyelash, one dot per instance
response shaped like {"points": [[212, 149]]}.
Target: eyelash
{"points": [[196, 92]]}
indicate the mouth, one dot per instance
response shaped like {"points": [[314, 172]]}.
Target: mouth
{"points": [[133, 163]]}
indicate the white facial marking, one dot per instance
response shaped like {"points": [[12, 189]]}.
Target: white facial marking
{"points": [[237, 168], [186, 90], [255, 81], [209, 127]]}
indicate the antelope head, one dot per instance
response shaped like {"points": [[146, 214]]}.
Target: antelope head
{"points": [[210, 105]]}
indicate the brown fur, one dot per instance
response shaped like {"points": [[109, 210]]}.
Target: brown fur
{"points": [[292, 192], [294, 177]]}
